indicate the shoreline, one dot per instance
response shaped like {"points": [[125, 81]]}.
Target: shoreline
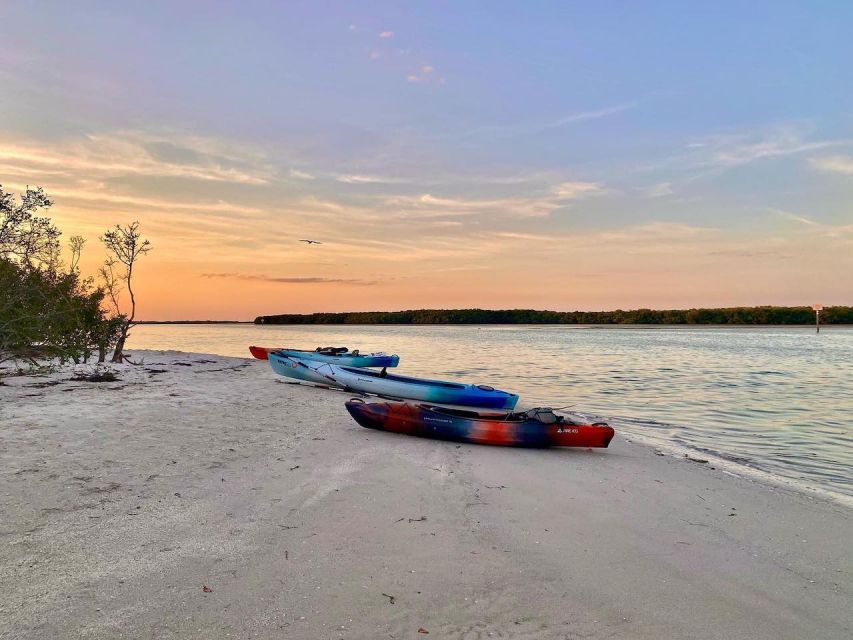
{"points": [[719, 462], [503, 324], [299, 521]]}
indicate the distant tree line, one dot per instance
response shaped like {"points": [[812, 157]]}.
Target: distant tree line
{"points": [[731, 316], [47, 308]]}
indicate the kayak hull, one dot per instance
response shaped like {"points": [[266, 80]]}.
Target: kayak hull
{"points": [[432, 391], [292, 368], [343, 359], [477, 428]]}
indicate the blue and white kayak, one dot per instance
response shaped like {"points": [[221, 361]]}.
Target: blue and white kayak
{"points": [[433, 391], [334, 356], [299, 370]]}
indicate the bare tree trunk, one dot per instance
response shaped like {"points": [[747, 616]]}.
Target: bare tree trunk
{"points": [[118, 352], [127, 246]]}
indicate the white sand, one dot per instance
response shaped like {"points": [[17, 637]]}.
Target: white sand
{"points": [[120, 501]]}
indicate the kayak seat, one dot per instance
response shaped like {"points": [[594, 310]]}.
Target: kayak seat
{"points": [[331, 351]]}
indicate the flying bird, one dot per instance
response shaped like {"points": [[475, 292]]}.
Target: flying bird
{"points": [[311, 241]]}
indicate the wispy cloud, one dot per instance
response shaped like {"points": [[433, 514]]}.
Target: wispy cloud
{"points": [[95, 198], [290, 279], [834, 164], [594, 114], [631, 234], [301, 175], [575, 190], [737, 149], [386, 34], [795, 217], [659, 190], [657, 230], [537, 204], [133, 153], [842, 232], [739, 154], [354, 178], [751, 253], [538, 127], [713, 155]]}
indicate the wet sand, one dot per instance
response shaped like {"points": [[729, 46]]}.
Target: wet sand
{"points": [[202, 497]]}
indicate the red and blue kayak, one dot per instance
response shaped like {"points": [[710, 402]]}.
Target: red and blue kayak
{"points": [[533, 428], [331, 355]]}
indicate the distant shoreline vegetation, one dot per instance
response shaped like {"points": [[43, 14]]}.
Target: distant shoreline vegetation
{"points": [[727, 316]]}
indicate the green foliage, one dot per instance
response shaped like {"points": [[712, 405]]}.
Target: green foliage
{"points": [[25, 237], [51, 314], [46, 310], [732, 316]]}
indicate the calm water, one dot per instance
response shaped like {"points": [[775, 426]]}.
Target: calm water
{"points": [[777, 400]]}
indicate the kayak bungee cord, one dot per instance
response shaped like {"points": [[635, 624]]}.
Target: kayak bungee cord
{"points": [[317, 371]]}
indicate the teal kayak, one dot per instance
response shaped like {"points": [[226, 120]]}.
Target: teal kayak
{"points": [[339, 356], [395, 386]]}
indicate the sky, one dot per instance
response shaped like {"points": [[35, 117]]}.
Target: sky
{"points": [[549, 155]]}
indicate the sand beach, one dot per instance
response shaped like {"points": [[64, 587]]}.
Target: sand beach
{"points": [[201, 496]]}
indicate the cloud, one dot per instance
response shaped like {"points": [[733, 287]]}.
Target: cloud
{"points": [[842, 232], [367, 179], [595, 114], [713, 155], [301, 175], [656, 230], [740, 154], [795, 217], [659, 190], [138, 154], [387, 34], [289, 279], [105, 199], [539, 127], [424, 74], [835, 164], [575, 190], [513, 235], [532, 205], [750, 253], [638, 234], [732, 150]]}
